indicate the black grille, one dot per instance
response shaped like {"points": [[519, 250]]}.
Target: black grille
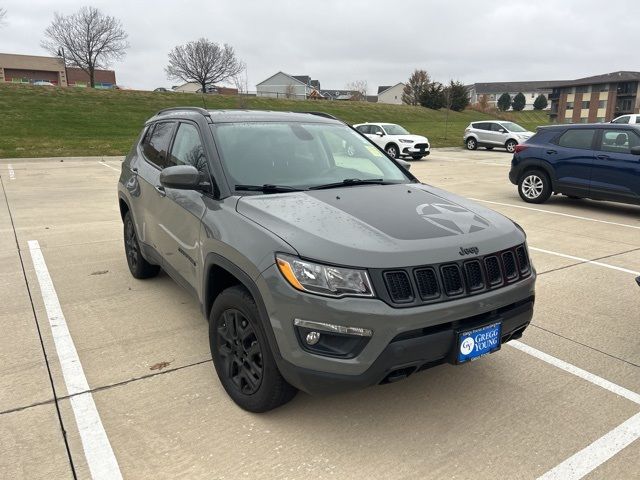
{"points": [[509, 261], [427, 283], [422, 146], [494, 275], [473, 272], [452, 280], [399, 286], [523, 260]]}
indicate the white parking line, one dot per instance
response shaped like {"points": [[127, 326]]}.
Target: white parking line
{"points": [[109, 166], [97, 449], [578, 372], [556, 213], [12, 174], [585, 260], [594, 455]]}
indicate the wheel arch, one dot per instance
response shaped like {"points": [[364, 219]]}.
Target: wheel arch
{"points": [[124, 207], [536, 164], [390, 144], [220, 273]]}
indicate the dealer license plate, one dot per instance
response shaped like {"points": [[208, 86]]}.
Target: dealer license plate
{"points": [[478, 342]]}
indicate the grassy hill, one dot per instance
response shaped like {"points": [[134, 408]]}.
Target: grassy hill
{"points": [[52, 122]]}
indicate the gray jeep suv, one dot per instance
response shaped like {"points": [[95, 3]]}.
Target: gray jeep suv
{"points": [[318, 269]]}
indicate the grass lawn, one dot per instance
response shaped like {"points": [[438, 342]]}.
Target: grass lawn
{"points": [[54, 122]]}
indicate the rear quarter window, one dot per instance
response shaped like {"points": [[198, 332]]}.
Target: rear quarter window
{"points": [[577, 138]]}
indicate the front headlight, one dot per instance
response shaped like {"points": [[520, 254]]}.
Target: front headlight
{"points": [[324, 279], [404, 140]]}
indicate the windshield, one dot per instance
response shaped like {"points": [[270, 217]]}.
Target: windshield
{"points": [[393, 129], [513, 127], [299, 155]]}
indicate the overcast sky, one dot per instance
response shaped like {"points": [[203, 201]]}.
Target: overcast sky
{"points": [[381, 42]]}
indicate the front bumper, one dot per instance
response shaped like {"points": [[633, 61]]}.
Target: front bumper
{"points": [[412, 151], [411, 338]]}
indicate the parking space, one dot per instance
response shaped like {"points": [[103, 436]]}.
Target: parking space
{"points": [[144, 351]]}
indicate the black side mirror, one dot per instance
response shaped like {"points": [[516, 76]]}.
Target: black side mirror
{"points": [[404, 164], [182, 177], [635, 150]]}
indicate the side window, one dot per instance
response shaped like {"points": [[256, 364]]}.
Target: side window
{"points": [[496, 127], [375, 129], [187, 148], [156, 143], [637, 118], [577, 138], [619, 141], [624, 119], [483, 126], [364, 129]]}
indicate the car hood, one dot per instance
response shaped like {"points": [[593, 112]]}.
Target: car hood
{"points": [[414, 138], [381, 226]]}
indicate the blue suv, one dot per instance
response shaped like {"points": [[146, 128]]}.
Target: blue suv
{"points": [[597, 161]]}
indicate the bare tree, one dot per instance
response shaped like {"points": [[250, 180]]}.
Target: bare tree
{"points": [[241, 82], [418, 83], [3, 14], [88, 40], [203, 62], [359, 89], [290, 91]]}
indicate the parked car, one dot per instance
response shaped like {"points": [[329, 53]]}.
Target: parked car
{"points": [[395, 140], [43, 83], [316, 270], [633, 119], [495, 133], [163, 90], [598, 161]]}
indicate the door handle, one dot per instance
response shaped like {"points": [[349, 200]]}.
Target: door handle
{"points": [[134, 170], [160, 190], [551, 152], [602, 157]]}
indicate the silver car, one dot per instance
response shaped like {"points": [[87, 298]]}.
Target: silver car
{"points": [[495, 133]]}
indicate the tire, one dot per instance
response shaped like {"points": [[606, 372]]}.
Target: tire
{"points": [[489, 148], [241, 354], [471, 143], [534, 186], [511, 146], [138, 266], [392, 150]]}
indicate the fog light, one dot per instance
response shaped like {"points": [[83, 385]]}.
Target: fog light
{"points": [[312, 338]]}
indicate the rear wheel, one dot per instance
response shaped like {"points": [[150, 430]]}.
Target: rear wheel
{"points": [[511, 146], [138, 266], [471, 143], [534, 186], [241, 354], [392, 150]]}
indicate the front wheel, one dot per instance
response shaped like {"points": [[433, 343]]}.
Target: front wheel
{"points": [[534, 186], [511, 146], [418, 157], [471, 143], [392, 151], [241, 354]]}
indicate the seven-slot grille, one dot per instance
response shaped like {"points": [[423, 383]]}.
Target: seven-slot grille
{"points": [[456, 279]]}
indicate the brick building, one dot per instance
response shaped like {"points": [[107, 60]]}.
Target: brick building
{"points": [[600, 98], [30, 68]]}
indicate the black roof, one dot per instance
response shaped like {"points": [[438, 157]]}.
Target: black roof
{"points": [[232, 116], [613, 77], [384, 87], [500, 87]]}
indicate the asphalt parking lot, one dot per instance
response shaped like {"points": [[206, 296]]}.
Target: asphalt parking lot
{"points": [[564, 402]]}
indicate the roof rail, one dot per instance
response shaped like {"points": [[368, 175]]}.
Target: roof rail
{"points": [[199, 110], [323, 114]]}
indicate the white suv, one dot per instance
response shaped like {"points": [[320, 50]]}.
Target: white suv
{"points": [[395, 140], [627, 119], [495, 133]]}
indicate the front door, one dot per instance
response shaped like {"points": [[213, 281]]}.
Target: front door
{"points": [[179, 222], [616, 172]]}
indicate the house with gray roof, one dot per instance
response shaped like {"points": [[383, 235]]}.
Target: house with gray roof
{"points": [[283, 85]]}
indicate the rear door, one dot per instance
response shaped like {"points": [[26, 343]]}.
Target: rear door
{"points": [[482, 129], [616, 172], [182, 210], [572, 158], [155, 147]]}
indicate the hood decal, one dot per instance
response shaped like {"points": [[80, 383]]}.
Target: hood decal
{"points": [[453, 218]]}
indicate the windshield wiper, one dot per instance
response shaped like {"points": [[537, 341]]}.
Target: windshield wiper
{"points": [[268, 188], [352, 181]]}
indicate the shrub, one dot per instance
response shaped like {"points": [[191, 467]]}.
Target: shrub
{"points": [[540, 103], [504, 102]]}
